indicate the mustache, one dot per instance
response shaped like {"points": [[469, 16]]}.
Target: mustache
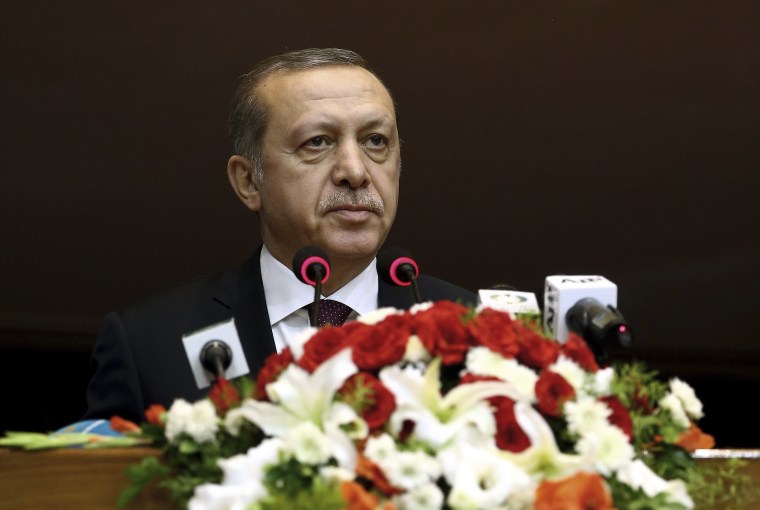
{"points": [[344, 195]]}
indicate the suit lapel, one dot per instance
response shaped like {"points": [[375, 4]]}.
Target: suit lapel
{"points": [[244, 296]]}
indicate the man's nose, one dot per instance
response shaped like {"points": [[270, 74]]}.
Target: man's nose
{"points": [[350, 167]]}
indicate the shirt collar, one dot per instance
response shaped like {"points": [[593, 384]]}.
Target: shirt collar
{"points": [[285, 294]]}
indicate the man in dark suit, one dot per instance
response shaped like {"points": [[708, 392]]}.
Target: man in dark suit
{"points": [[317, 158]]}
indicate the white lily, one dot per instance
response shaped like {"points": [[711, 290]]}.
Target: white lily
{"points": [[439, 419], [299, 396], [543, 457], [484, 361]]}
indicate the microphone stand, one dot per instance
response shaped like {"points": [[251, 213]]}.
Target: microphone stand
{"points": [[314, 312], [408, 271]]}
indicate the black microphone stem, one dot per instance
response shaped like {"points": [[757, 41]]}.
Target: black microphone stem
{"points": [[219, 366], [409, 272], [317, 293]]}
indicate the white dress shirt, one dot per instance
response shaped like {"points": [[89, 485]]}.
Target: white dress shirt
{"points": [[286, 297]]}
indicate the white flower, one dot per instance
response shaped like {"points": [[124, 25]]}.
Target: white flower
{"points": [[420, 307], [298, 396], [483, 361], [297, 342], [571, 371], [377, 316], [336, 474], [480, 477], [308, 396], [403, 469], [380, 448], [210, 496], [241, 479], [197, 420], [688, 398], [673, 405], [415, 351], [543, 457], [424, 497], [601, 385], [586, 415], [241, 469], [639, 476], [308, 444], [605, 448], [440, 419], [409, 470], [522, 499]]}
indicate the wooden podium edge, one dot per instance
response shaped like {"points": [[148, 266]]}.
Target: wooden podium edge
{"points": [[73, 478]]}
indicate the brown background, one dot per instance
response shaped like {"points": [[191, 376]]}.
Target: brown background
{"points": [[540, 137]]}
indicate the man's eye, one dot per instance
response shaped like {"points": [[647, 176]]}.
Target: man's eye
{"points": [[317, 141], [376, 141]]}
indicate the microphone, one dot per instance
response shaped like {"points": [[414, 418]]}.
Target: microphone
{"points": [[216, 357], [601, 326], [586, 305], [508, 299], [311, 265], [397, 267]]}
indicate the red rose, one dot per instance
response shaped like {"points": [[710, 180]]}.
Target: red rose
{"points": [[324, 344], [271, 370], [619, 416], [509, 434], [442, 332], [577, 350], [371, 399], [552, 391], [469, 378], [536, 351], [495, 329], [224, 395], [382, 344]]}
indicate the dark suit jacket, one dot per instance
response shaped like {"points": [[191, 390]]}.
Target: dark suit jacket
{"points": [[139, 358]]}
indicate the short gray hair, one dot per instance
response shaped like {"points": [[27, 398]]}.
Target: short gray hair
{"points": [[248, 117]]}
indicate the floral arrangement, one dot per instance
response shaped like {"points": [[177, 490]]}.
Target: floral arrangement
{"points": [[441, 406]]}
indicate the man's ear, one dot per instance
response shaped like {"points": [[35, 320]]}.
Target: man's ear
{"points": [[242, 178]]}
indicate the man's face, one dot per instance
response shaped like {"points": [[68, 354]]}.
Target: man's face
{"points": [[331, 163]]}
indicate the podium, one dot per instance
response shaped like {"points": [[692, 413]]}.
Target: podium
{"points": [[73, 478], [93, 479]]}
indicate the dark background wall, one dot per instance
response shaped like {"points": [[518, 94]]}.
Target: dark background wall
{"points": [[540, 137]]}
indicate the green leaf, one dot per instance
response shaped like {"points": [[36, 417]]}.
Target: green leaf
{"points": [[629, 498], [140, 475], [317, 493], [188, 446]]}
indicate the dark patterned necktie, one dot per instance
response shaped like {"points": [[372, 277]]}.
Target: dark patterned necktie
{"points": [[332, 312]]}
